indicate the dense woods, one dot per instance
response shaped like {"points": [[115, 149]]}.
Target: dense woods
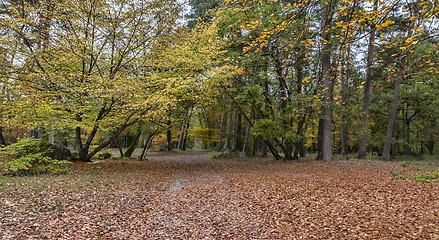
{"points": [[280, 78]]}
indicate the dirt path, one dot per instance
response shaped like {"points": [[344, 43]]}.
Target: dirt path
{"points": [[190, 196]]}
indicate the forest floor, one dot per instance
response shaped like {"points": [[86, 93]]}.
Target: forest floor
{"points": [[192, 196]]}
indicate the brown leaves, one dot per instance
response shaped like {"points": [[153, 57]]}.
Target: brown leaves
{"points": [[190, 196]]}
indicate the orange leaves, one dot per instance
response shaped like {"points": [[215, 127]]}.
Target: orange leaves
{"points": [[386, 24]]}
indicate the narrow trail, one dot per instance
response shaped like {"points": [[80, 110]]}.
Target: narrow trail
{"points": [[177, 210]]}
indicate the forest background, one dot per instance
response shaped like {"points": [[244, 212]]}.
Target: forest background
{"points": [[279, 78]]}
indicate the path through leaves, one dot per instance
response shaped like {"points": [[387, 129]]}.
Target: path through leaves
{"points": [[190, 196]]}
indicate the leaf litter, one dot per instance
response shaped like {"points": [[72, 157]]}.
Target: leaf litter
{"points": [[191, 196]]}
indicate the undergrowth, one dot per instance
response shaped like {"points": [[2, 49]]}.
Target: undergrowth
{"points": [[30, 157]]}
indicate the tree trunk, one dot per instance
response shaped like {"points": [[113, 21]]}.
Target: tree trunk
{"points": [[264, 149], [228, 131], [366, 97], [221, 133], [393, 111], [247, 135], [327, 154], [300, 144], [406, 129], [298, 68], [343, 122], [169, 137], [79, 147], [181, 136], [288, 150], [186, 131], [2, 139], [344, 136], [302, 148], [129, 152], [320, 141], [146, 144], [237, 143], [430, 146]]}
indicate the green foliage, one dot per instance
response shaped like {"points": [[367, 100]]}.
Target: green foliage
{"points": [[200, 11], [270, 129], [403, 163], [226, 155], [428, 177], [208, 135], [30, 156], [104, 155], [397, 175]]}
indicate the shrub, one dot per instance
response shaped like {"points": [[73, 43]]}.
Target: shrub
{"points": [[31, 156], [428, 177], [105, 155]]}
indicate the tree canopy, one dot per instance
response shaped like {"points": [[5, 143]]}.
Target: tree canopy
{"points": [[285, 77]]}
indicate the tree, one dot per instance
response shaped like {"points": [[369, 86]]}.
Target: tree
{"points": [[200, 11], [366, 97], [91, 75], [411, 22]]}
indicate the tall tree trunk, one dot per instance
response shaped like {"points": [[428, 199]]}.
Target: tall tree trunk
{"points": [[288, 150], [264, 149], [430, 146], [80, 147], [237, 143], [145, 147], [300, 144], [327, 154], [344, 99], [344, 135], [228, 130], [168, 136], [186, 132], [393, 111], [431, 141], [221, 133], [366, 97], [320, 141], [247, 135], [298, 68], [181, 136]]}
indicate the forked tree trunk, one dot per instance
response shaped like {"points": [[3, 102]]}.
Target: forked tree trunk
{"points": [[130, 150], [247, 135]]}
